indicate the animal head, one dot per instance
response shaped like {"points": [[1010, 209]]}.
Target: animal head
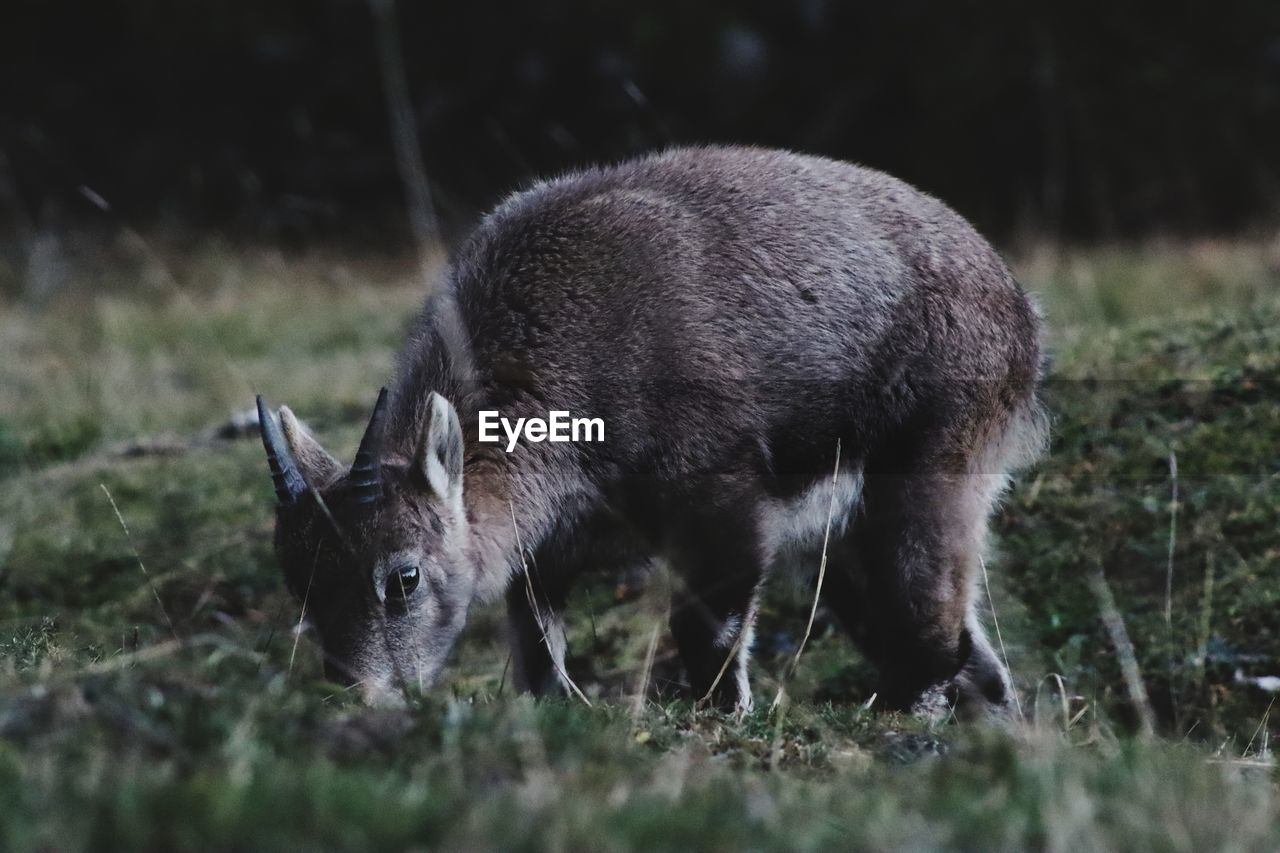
{"points": [[376, 554]]}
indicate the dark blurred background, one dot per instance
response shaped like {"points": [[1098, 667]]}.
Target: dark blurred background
{"points": [[266, 119]]}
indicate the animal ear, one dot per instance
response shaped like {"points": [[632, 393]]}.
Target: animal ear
{"points": [[317, 465], [439, 459]]}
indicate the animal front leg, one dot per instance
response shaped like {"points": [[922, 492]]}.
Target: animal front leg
{"points": [[715, 648], [713, 618], [536, 627]]}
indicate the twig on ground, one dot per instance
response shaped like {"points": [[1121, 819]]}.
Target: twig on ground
{"points": [[1129, 670]]}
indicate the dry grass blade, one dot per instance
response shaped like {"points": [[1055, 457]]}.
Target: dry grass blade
{"points": [[1063, 701], [817, 592], [724, 667], [1206, 623], [404, 130], [1168, 580], [995, 621], [1262, 727], [138, 557], [642, 690], [537, 614], [302, 616]]}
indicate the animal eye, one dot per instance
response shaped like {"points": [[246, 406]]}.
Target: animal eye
{"points": [[401, 583]]}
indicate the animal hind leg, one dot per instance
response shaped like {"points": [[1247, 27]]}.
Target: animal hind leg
{"points": [[919, 543]]}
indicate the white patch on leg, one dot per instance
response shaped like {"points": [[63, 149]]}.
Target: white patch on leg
{"points": [[728, 634], [555, 638], [745, 699], [794, 529], [739, 631]]}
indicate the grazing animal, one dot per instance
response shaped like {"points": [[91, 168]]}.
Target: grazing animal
{"points": [[736, 318]]}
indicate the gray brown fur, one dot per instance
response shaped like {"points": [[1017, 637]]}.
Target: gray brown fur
{"points": [[731, 314]]}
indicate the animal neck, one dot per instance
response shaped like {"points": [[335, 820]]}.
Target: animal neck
{"points": [[436, 358], [510, 513]]}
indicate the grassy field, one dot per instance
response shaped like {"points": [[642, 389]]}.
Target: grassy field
{"points": [[154, 693]]}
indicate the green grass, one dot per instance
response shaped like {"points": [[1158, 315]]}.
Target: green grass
{"points": [[153, 694]]}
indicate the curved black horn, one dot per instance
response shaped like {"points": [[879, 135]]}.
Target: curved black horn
{"points": [[366, 471], [289, 482]]}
